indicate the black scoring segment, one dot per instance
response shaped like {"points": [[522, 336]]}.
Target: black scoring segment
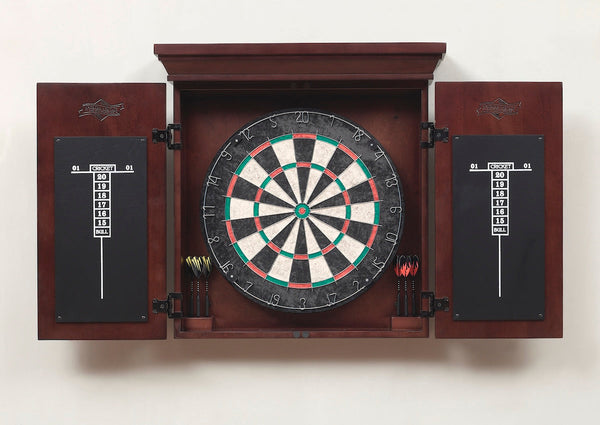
{"points": [[282, 181], [336, 261], [360, 193], [335, 222], [281, 237], [303, 149], [323, 182], [267, 159], [339, 162], [301, 241], [300, 271], [303, 180], [334, 201], [243, 227], [243, 189], [359, 231], [267, 220], [267, 198], [264, 259], [321, 239]]}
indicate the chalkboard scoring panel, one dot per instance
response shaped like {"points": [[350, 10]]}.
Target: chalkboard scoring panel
{"points": [[498, 227], [100, 229]]}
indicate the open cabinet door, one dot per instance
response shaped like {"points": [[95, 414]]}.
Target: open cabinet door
{"points": [[101, 211], [498, 198]]}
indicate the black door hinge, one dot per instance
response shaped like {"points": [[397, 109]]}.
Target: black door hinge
{"points": [[433, 135], [168, 305], [430, 304], [166, 136]]}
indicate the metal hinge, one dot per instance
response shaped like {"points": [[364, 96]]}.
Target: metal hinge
{"points": [[430, 304], [168, 305], [433, 135], [166, 136]]}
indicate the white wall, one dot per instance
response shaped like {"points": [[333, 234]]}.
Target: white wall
{"points": [[297, 381]]}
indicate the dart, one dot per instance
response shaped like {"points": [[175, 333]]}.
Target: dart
{"points": [[197, 269], [191, 270], [207, 267], [198, 272], [404, 270], [398, 264], [414, 268]]}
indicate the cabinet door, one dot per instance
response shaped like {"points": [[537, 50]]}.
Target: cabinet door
{"points": [[101, 211], [498, 197]]}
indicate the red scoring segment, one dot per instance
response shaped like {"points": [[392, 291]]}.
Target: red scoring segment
{"points": [[372, 237], [300, 285], [256, 270], [348, 151], [304, 136], [231, 185], [373, 190], [260, 148], [344, 272]]}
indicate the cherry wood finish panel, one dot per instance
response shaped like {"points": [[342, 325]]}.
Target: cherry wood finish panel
{"points": [[208, 121], [540, 113], [57, 115]]}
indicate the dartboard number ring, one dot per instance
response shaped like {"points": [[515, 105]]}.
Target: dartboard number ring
{"points": [[302, 210]]}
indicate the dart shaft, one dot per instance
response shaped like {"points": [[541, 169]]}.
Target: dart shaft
{"points": [[198, 300], [405, 297], [413, 299], [191, 302], [206, 300]]}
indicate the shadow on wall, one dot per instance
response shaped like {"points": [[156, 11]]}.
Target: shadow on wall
{"points": [[119, 356]]}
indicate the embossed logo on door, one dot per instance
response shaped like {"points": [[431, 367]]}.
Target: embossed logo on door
{"points": [[498, 108], [101, 109]]}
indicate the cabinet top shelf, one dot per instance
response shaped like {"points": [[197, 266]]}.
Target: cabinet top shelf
{"points": [[300, 61]]}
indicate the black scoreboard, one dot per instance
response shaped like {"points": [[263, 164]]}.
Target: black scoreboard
{"points": [[100, 229], [498, 227]]}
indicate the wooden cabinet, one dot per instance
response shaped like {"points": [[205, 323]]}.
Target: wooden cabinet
{"points": [[383, 88]]}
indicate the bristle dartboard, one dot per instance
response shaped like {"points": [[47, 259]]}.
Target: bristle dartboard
{"points": [[302, 210]]}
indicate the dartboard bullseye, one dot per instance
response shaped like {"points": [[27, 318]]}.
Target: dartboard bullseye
{"points": [[302, 210]]}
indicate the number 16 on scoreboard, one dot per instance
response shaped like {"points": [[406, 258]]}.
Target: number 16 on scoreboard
{"points": [[500, 202]]}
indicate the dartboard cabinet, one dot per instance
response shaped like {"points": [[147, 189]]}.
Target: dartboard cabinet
{"points": [[305, 193]]}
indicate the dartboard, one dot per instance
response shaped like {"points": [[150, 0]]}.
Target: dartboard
{"points": [[302, 210]]}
